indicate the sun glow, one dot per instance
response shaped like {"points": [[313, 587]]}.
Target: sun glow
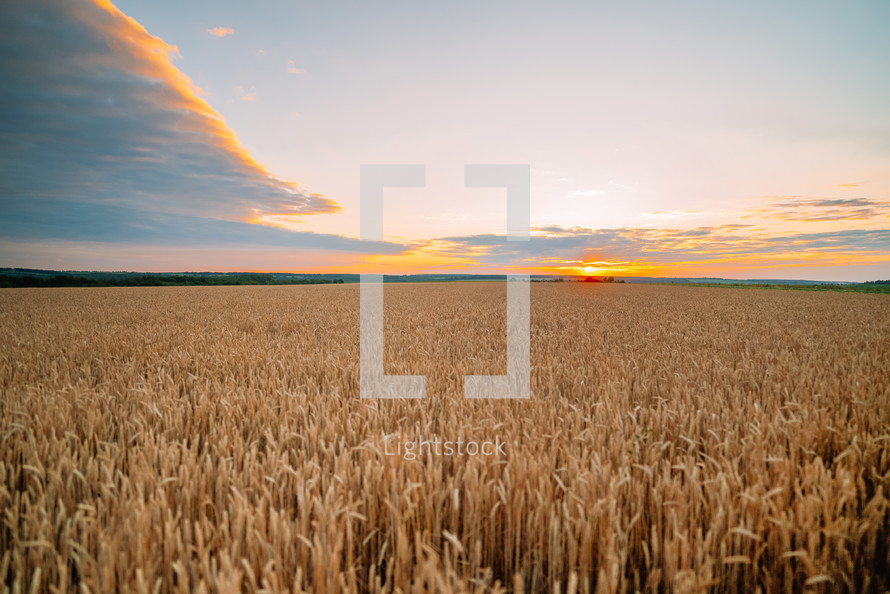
{"points": [[596, 268]]}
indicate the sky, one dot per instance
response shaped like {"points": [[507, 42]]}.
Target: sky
{"points": [[682, 139]]}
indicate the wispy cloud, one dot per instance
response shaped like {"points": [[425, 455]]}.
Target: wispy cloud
{"points": [[794, 208], [293, 69], [247, 95], [221, 31]]}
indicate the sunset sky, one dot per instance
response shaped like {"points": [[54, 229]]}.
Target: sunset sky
{"points": [[689, 138]]}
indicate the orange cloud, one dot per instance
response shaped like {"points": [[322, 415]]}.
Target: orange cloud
{"points": [[141, 54], [292, 68], [247, 95], [221, 31]]}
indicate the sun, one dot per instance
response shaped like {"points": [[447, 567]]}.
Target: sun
{"points": [[589, 270]]}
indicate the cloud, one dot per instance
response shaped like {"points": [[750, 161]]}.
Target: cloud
{"points": [[247, 95], [292, 68], [675, 214], [59, 220], [795, 208], [94, 113], [637, 250], [221, 31], [585, 193]]}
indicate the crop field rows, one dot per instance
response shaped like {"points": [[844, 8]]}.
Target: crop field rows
{"points": [[212, 439]]}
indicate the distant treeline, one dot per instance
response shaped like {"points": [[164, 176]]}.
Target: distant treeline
{"points": [[154, 280], [866, 287], [601, 279]]}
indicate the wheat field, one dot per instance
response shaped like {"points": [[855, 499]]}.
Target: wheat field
{"points": [[212, 439]]}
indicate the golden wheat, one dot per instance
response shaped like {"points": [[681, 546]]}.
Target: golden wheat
{"points": [[213, 439]]}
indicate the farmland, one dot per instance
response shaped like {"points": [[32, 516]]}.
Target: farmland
{"points": [[681, 439]]}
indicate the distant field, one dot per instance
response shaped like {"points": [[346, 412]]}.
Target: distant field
{"points": [[857, 288], [678, 438]]}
